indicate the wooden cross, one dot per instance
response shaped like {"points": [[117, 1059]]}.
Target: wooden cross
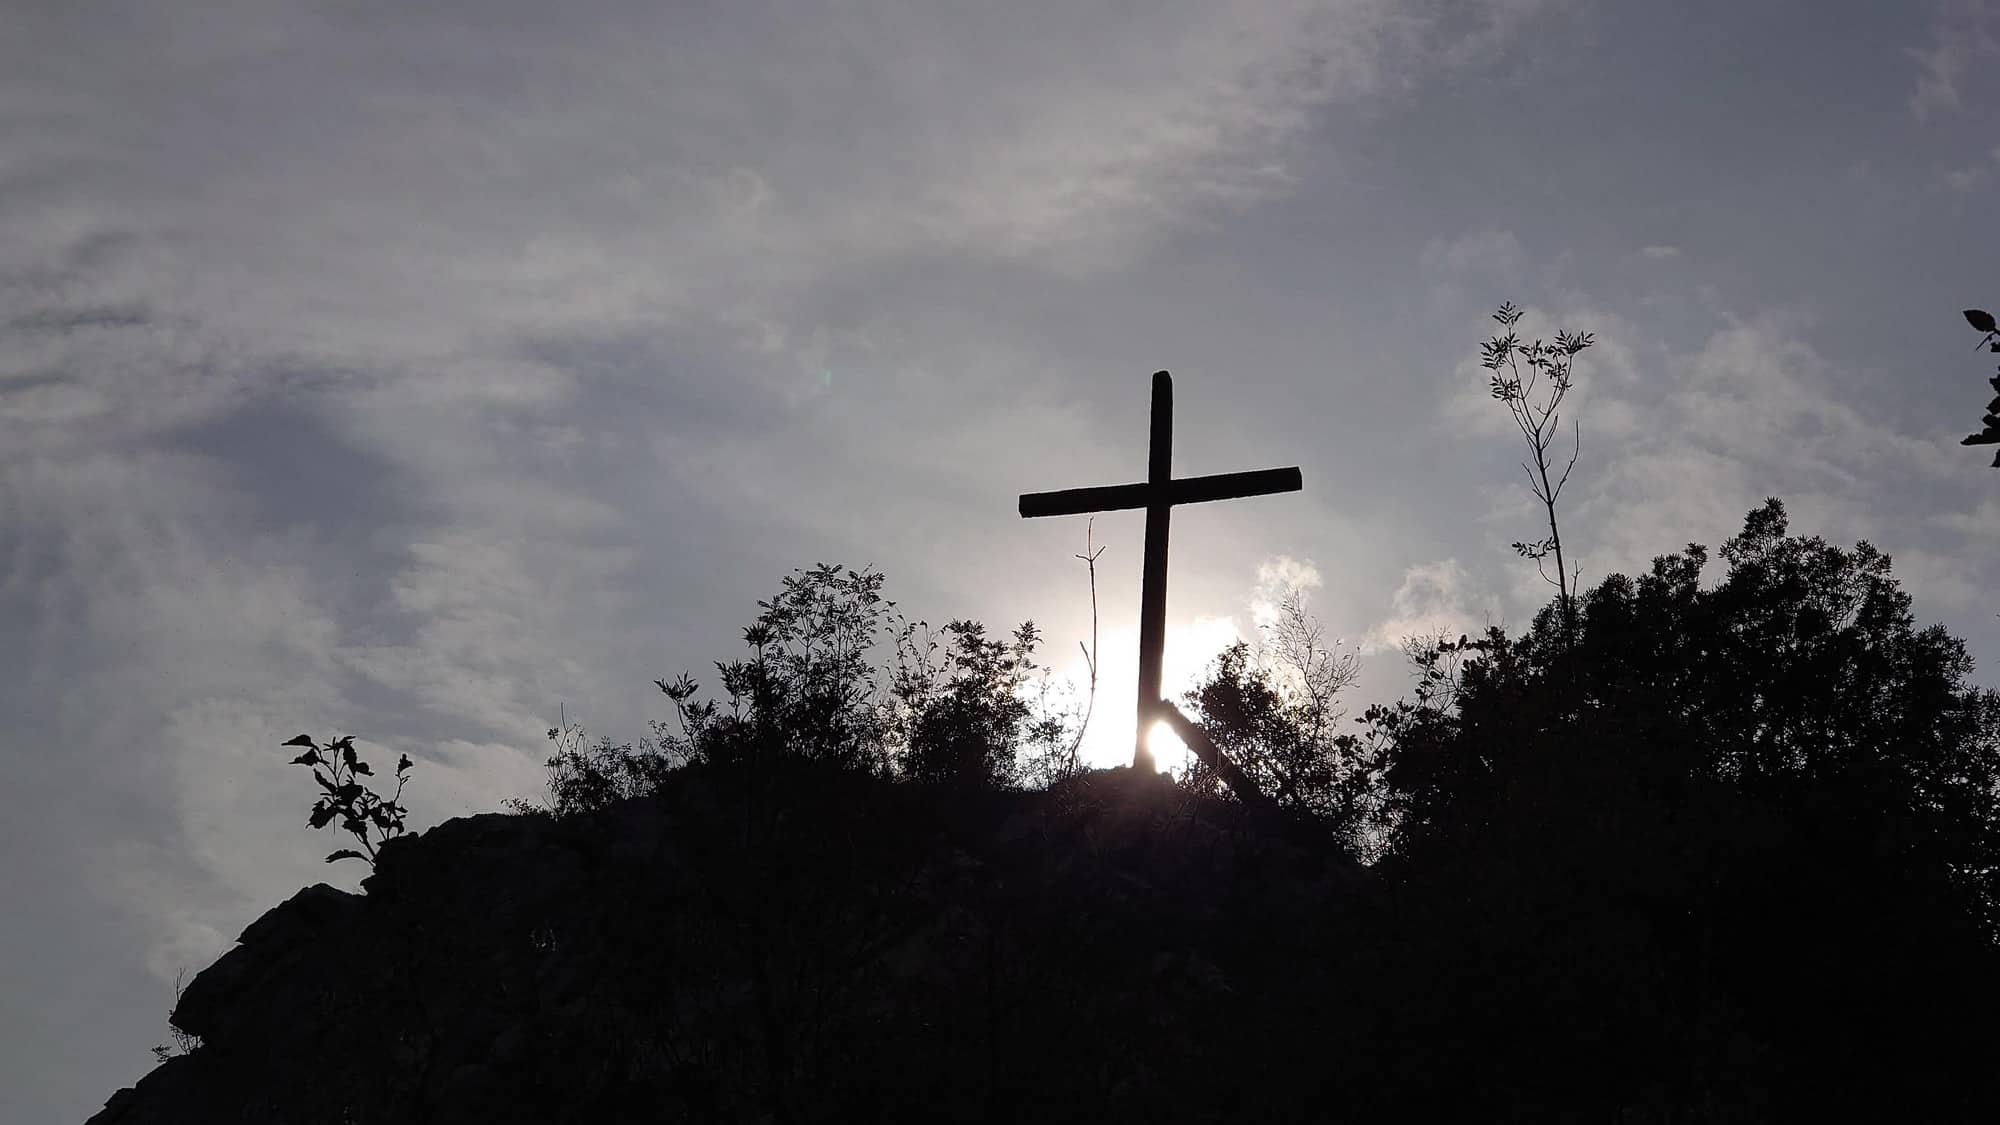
{"points": [[1158, 495]]}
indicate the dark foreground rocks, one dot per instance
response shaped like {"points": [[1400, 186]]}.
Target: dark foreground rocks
{"points": [[799, 946]]}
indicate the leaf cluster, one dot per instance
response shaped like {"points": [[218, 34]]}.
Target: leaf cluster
{"points": [[1539, 549], [1548, 363], [1982, 321]]}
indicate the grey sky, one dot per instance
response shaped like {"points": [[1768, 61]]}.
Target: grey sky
{"points": [[408, 370]]}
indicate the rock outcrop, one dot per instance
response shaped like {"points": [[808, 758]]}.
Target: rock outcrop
{"points": [[804, 946]]}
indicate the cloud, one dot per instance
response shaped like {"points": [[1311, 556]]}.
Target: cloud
{"points": [[1109, 134], [1972, 177], [1964, 32], [1983, 522], [1433, 598], [1756, 403], [1966, 179], [1755, 411], [1493, 256], [1277, 577], [1759, 389], [1950, 581], [1661, 253]]}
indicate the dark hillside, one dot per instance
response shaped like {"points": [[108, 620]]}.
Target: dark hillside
{"points": [[808, 945], [1679, 853]]}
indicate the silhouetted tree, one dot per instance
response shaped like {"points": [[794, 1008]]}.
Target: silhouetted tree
{"points": [[808, 690], [965, 714], [1274, 710], [1753, 873], [950, 706]]}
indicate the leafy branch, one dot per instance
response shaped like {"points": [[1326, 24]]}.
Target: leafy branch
{"points": [[356, 806], [1982, 321]]}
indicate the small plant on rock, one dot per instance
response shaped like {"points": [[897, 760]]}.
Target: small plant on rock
{"points": [[184, 1044], [356, 806], [585, 778]]}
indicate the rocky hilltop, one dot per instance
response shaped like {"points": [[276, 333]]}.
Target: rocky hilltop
{"points": [[800, 946]]}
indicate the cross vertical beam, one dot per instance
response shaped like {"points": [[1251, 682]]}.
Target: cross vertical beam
{"points": [[1153, 586]]}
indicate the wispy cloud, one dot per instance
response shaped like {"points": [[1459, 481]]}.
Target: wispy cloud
{"points": [[1280, 577], [1484, 257], [1757, 411], [1963, 32], [1973, 177], [1434, 598]]}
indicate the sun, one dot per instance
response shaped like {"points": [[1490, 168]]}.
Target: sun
{"points": [[1189, 648]]}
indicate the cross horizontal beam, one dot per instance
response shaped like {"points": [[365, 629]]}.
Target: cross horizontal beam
{"points": [[1187, 490]]}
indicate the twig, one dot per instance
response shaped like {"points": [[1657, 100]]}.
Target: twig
{"points": [[1089, 558]]}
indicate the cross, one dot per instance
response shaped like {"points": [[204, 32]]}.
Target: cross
{"points": [[1157, 494]]}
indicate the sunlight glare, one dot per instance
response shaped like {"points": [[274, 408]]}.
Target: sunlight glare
{"points": [[1190, 647]]}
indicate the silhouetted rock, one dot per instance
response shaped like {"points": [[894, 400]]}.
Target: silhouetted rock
{"points": [[808, 946]]}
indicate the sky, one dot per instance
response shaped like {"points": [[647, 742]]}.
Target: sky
{"points": [[426, 371]]}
